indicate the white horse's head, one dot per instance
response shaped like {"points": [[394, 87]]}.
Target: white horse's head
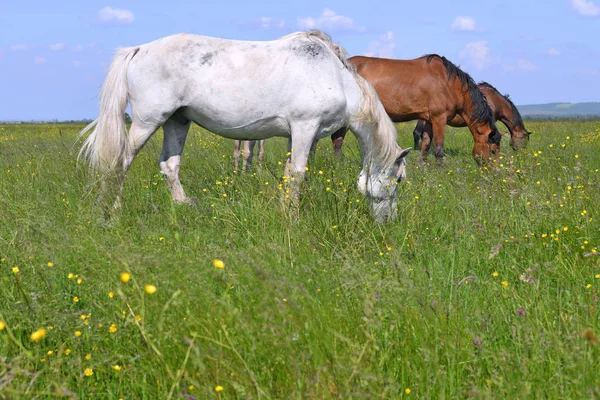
{"points": [[380, 186]]}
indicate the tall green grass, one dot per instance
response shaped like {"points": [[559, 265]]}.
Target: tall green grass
{"points": [[484, 287]]}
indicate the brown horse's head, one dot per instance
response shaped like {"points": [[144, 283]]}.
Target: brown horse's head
{"points": [[519, 135], [505, 111]]}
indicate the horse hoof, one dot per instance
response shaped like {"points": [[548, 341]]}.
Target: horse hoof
{"points": [[190, 201]]}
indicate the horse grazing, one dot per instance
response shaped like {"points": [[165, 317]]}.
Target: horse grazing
{"points": [[248, 153], [299, 86], [433, 89], [504, 110]]}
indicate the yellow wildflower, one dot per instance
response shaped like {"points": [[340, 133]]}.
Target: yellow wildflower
{"points": [[505, 283], [116, 367], [2, 325], [218, 264], [38, 335], [125, 277], [15, 270], [77, 333], [113, 328], [150, 289], [76, 299], [219, 388], [88, 356], [88, 372]]}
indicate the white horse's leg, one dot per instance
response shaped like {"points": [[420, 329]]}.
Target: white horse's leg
{"points": [[138, 136], [261, 152], [303, 134], [176, 130], [236, 154], [247, 155]]}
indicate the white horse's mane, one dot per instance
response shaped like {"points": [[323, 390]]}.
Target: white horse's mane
{"points": [[384, 145]]}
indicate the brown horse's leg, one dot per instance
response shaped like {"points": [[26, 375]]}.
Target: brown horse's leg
{"points": [[438, 127], [337, 139], [418, 133], [426, 137]]}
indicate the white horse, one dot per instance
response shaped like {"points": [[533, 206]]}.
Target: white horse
{"points": [[299, 86], [248, 153]]}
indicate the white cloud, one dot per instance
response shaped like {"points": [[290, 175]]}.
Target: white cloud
{"points": [[586, 8], [477, 54], [19, 47], [118, 16], [39, 60], [553, 52], [77, 64], [56, 46], [522, 65], [463, 24], [383, 47], [266, 23], [331, 22], [78, 48], [526, 65]]}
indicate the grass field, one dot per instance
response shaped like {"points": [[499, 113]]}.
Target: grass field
{"points": [[485, 287]]}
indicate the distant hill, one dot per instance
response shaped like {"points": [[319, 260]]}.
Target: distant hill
{"points": [[560, 110]]}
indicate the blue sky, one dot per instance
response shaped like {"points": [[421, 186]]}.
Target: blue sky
{"points": [[53, 55]]}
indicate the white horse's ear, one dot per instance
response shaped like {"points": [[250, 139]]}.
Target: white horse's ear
{"points": [[401, 172], [402, 155]]}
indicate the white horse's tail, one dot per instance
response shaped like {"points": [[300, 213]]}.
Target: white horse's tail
{"points": [[107, 145]]}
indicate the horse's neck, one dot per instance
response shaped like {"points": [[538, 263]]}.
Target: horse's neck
{"points": [[503, 112]]}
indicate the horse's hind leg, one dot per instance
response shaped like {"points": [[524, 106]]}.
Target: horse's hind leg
{"points": [[236, 154], [418, 133], [248, 154], [261, 152], [337, 139], [175, 132], [138, 136], [426, 137]]}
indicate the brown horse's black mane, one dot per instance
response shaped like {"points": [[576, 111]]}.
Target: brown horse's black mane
{"points": [[516, 120], [482, 112]]}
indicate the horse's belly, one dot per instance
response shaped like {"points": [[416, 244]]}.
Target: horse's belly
{"points": [[233, 127]]}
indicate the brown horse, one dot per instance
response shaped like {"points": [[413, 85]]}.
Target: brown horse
{"points": [[504, 111], [433, 89]]}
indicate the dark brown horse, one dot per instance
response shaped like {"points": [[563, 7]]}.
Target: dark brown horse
{"points": [[504, 111], [433, 89]]}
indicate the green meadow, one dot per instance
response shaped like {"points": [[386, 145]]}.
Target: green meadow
{"points": [[486, 286]]}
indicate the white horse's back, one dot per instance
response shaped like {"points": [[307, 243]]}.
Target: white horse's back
{"points": [[258, 86]]}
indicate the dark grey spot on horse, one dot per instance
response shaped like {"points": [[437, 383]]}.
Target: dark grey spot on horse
{"points": [[312, 50], [207, 58]]}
